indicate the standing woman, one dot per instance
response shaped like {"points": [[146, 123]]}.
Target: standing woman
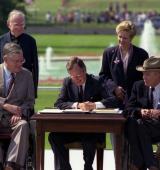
{"points": [[118, 70]]}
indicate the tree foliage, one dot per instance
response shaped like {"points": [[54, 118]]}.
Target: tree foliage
{"points": [[5, 7]]}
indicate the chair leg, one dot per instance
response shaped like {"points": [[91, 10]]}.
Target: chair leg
{"points": [[100, 159]]}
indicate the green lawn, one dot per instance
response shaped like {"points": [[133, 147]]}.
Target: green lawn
{"points": [[39, 8], [66, 45], [99, 5], [46, 98], [74, 44], [36, 11]]}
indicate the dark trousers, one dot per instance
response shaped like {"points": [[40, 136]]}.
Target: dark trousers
{"points": [[58, 141], [141, 135]]}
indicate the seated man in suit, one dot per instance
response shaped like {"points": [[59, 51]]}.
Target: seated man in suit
{"points": [[16, 100], [143, 111], [79, 91]]}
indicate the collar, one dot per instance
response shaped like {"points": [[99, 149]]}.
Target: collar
{"points": [[6, 71], [130, 50]]}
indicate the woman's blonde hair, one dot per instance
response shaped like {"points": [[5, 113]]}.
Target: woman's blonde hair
{"points": [[127, 26]]}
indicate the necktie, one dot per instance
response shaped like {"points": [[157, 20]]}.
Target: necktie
{"points": [[151, 97], [11, 83], [80, 94]]}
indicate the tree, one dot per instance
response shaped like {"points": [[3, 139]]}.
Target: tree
{"points": [[5, 7]]}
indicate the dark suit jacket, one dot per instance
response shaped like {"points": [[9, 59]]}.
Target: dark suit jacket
{"points": [[29, 47], [139, 99], [112, 70], [93, 92]]}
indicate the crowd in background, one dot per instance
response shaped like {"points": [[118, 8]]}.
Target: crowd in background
{"points": [[113, 14]]}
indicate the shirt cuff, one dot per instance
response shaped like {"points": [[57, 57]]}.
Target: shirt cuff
{"points": [[99, 105], [74, 106]]}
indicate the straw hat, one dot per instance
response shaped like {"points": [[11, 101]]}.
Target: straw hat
{"points": [[150, 64]]}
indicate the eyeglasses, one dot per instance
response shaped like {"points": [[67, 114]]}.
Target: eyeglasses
{"points": [[76, 76], [19, 61]]}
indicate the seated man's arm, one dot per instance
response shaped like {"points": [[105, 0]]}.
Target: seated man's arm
{"points": [[108, 99], [134, 105], [29, 101], [64, 100]]}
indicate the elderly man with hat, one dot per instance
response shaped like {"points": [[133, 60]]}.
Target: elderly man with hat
{"points": [[143, 112]]}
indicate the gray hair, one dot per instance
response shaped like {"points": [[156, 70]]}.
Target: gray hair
{"points": [[11, 48], [16, 12]]}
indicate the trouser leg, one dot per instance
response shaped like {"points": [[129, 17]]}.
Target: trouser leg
{"points": [[1, 153], [18, 146], [89, 149], [133, 139], [148, 129], [32, 143], [61, 153]]}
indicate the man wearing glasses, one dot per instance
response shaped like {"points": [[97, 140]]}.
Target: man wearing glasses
{"points": [[80, 91], [16, 101]]}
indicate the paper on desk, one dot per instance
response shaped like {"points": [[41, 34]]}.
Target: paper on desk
{"points": [[74, 111], [107, 110], [52, 111], [49, 111], [93, 111]]}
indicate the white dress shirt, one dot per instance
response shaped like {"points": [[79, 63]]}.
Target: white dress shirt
{"points": [[99, 105]]}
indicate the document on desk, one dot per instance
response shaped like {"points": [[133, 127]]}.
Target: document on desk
{"points": [[72, 111], [93, 111], [50, 111], [75, 111], [109, 110]]}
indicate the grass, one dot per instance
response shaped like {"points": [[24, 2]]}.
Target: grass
{"points": [[39, 8], [74, 44], [99, 5], [70, 45], [46, 98]]}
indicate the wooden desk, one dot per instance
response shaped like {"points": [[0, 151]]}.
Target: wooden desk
{"points": [[112, 123]]}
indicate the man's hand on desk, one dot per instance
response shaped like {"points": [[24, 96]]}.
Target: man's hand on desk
{"points": [[86, 106]]}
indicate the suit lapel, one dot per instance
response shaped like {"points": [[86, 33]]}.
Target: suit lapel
{"points": [[2, 90], [145, 95], [75, 91], [118, 65], [130, 60]]}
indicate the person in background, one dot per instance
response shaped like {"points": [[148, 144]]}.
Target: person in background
{"points": [[143, 112], [79, 91], [16, 103], [16, 25], [118, 71]]}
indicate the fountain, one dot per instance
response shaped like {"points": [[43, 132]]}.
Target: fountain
{"points": [[54, 67], [148, 39], [49, 55]]}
